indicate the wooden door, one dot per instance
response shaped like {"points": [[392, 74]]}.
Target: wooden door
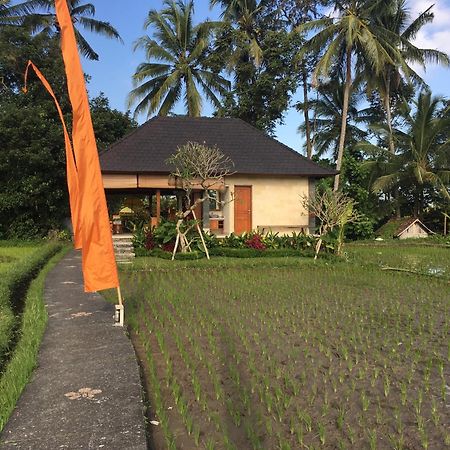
{"points": [[242, 209]]}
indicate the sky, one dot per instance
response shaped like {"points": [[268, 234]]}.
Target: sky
{"points": [[113, 72]]}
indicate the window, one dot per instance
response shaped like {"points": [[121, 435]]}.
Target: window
{"points": [[214, 200]]}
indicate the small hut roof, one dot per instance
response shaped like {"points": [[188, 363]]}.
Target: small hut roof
{"points": [[396, 227]]}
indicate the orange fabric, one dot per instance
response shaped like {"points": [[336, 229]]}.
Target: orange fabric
{"points": [[72, 176], [99, 264]]}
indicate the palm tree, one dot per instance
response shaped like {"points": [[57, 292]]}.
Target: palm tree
{"points": [[181, 52], [8, 15], [326, 122], [390, 80], [40, 16], [424, 152], [245, 13], [349, 40]]}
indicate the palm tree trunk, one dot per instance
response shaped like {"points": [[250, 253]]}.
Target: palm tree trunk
{"points": [[306, 112], [387, 107], [348, 85]]}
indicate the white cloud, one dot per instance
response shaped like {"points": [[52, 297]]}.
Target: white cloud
{"points": [[437, 34]]}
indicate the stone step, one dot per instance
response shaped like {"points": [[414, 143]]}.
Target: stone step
{"points": [[122, 242], [124, 255], [122, 248], [119, 237]]}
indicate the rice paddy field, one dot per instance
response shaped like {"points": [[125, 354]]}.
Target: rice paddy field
{"points": [[10, 253], [285, 353]]}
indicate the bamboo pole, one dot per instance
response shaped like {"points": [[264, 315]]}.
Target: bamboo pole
{"points": [[120, 311], [176, 243], [158, 206], [201, 235]]}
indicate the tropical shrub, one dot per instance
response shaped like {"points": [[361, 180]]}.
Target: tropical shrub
{"points": [[13, 286], [255, 242]]}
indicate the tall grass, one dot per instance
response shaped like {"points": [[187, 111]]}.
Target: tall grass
{"points": [[33, 319]]}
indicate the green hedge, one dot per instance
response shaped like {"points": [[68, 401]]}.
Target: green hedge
{"points": [[253, 253], [13, 287], [22, 362], [159, 253], [229, 252]]}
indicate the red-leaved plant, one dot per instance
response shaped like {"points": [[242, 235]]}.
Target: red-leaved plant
{"points": [[150, 243], [255, 242]]}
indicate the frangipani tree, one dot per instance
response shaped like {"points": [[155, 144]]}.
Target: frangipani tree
{"points": [[196, 167], [333, 210]]}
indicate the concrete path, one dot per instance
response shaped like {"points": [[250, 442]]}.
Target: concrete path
{"points": [[86, 392]]}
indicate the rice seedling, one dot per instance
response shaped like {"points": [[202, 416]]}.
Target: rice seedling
{"points": [[273, 356], [372, 437]]}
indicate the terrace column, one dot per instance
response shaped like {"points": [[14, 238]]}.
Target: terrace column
{"points": [[311, 194], [205, 213], [158, 205]]}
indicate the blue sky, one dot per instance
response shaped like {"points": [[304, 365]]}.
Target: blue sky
{"points": [[112, 74]]}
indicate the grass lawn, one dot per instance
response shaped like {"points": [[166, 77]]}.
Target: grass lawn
{"points": [[11, 254], [285, 353]]}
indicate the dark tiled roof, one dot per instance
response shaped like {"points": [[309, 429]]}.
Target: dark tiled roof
{"points": [[146, 149]]}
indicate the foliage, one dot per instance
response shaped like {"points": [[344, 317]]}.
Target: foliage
{"points": [[176, 63], [364, 228], [353, 34], [255, 242], [32, 183], [397, 82], [270, 240], [23, 360], [422, 157], [164, 235], [260, 94], [160, 253], [326, 122], [334, 210], [33, 187], [13, 286], [39, 16], [165, 232], [109, 124]]}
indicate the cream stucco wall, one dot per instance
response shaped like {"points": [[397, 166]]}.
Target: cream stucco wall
{"points": [[276, 202]]}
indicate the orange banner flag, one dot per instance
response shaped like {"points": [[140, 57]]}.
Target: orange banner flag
{"points": [[72, 176], [99, 264]]}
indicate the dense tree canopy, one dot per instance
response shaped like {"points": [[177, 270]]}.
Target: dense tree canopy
{"points": [[33, 192]]}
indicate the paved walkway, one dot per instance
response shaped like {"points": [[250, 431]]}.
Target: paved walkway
{"points": [[86, 392]]}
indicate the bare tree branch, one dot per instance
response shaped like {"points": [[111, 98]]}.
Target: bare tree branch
{"points": [[197, 167], [333, 210]]}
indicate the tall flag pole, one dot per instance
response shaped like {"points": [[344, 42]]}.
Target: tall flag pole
{"points": [[98, 260], [71, 169]]}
